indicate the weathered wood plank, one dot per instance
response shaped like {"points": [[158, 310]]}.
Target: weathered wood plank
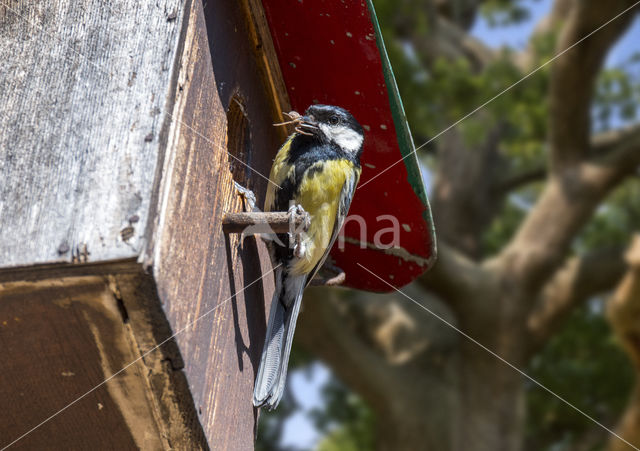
{"points": [[59, 339], [199, 270], [84, 91], [147, 325], [62, 337]]}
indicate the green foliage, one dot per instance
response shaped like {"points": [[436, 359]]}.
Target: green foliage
{"points": [[440, 95], [544, 46], [499, 13], [585, 365], [614, 221], [449, 90], [271, 425], [346, 420], [617, 95]]}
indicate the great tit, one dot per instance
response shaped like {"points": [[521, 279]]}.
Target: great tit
{"points": [[317, 168]]}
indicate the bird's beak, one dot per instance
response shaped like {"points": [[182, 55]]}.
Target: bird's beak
{"points": [[307, 126]]}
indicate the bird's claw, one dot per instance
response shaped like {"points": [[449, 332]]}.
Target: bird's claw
{"points": [[299, 248], [248, 196], [296, 234], [294, 211]]}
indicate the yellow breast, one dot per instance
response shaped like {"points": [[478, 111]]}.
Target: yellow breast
{"points": [[319, 195]]}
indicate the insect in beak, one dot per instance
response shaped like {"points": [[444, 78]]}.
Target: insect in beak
{"points": [[303, 124], [294, 118], [307, 126]]}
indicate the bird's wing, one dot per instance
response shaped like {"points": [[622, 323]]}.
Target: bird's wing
{"points": [[346, 195], [280, 171]]}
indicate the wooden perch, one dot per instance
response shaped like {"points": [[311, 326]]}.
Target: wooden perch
{"points": [[271, 222], [280, 222]]}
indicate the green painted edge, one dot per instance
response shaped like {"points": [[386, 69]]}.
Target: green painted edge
{"points": [[405, 140]]}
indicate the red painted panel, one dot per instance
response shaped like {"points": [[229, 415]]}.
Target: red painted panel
{"points": [[329, 54]]}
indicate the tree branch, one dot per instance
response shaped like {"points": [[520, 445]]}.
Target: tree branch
{"points": [[619, 158], [385, 347], [458, 281], [382, 346], [454, 43], [516, 181], [324, 329], [624, 306], [445, 35], [578, 280], [573, 76], [464, 188], [527, 59], [602, 145], [567, 203]]}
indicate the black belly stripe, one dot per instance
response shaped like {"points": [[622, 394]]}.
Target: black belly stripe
{"points": [[304, 152]]}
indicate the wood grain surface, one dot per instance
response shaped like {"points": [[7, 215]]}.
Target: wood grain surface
{"points": [[85, 93], [198, 269], [268, 222], [118, 136], [61, 338]]}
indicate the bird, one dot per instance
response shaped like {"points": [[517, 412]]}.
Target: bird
{"points": [[316, 170]]}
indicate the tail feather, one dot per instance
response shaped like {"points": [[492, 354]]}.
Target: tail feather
{"points": [[285, 306]]}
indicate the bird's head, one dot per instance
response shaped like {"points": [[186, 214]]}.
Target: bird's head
{"points": [[333, 124]]}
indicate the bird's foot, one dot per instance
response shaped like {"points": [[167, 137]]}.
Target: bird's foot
{"points": [[297, 235], [299, 247], [248, 196], [297, 210]]}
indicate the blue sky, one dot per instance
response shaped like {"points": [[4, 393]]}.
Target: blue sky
{"points": [[517, 35], [299, 430], [512, 35]]}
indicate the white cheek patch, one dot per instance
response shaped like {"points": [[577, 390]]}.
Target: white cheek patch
{"points": [[345, 137]]}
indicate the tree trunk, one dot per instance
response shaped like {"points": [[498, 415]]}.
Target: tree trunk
{"points": [[491, 407], [446, 395]]}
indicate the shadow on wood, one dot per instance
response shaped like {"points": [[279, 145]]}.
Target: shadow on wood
{"points": [[114, 240]]}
